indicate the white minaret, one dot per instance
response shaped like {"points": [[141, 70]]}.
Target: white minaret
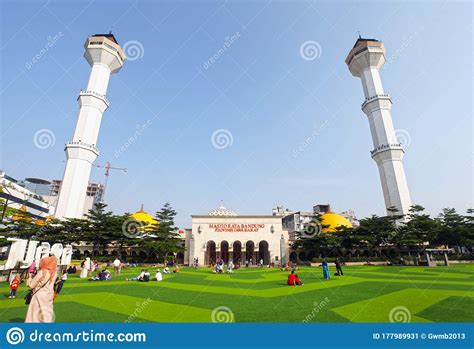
{"points": [[364, 61], [105, 57]]}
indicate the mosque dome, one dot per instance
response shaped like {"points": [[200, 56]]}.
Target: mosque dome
{"points": [[22, 215], [332, 221], [222, 212], [43, 222], [142, 216]]}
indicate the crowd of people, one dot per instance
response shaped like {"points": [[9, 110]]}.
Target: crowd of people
{"points": [[46, 282], [294, 280], [44, 285], [144, 275], [220, 267]]}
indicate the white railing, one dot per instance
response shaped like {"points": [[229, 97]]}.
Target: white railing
{"points": [[386, 147], [84, 92], [83, 144]]}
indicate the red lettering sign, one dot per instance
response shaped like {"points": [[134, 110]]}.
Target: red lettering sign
{"points": [[235, 228]]}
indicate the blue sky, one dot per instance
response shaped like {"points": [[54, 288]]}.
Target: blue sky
{"points": [[298, 136]]}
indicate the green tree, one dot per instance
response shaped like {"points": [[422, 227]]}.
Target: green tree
{"points": [[418, 229], [455, 229], [99, 229], [376, 233], [163, 237], [311, 238]]}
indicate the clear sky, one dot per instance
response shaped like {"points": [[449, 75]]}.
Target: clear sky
{"points": [[294, 133]]}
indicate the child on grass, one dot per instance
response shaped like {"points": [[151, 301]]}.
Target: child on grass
{"points": [[14, 286]]}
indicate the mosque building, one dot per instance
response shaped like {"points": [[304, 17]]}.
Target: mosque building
{"points": [[224, 234]]}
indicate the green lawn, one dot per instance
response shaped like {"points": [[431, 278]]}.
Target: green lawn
{"points": [[363, 294]]}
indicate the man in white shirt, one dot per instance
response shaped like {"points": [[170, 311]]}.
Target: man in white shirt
{"points": [[117, 266], [158, 275]]}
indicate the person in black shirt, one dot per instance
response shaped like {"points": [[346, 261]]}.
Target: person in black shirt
{"points": [[338, 267]]}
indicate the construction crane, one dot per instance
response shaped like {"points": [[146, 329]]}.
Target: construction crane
{"points": [[108, 167]]}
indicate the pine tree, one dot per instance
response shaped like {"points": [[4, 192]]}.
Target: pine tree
{"points": [[99, 230], [163, 237]]}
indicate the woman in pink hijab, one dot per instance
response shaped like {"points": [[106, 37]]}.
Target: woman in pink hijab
{"points": [[40, 308], [32, 268]]}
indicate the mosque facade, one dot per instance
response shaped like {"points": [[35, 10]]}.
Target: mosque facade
{"points": [[223, 234]]}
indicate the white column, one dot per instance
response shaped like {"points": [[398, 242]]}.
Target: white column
{"points": [[364, 61], [105, 57]]}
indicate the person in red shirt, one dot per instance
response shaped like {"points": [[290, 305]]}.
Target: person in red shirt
{"points": [[291, 279], [14, 286], [298, 281]]}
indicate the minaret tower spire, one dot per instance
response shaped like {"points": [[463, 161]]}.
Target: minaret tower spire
{"points": [[364, 61], [105, 57]]}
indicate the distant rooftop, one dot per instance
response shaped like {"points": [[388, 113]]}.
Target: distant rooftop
{"points": [[109, 36], [360, 39]]}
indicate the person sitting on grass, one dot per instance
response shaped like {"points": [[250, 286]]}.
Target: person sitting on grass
{"points": [[166, 270], [230, 267], [138, 278], [14, 286], [146, 277], [103, 275], [158, 276], [96, 277], [72, 269], [298, 282], [291, 279]]}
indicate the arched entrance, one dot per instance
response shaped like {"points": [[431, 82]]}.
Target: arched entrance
{"points": [[225, 251], [293, 257], [180, 258], [210, 252], [249, 252], [263, 253], [237, 256]]}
